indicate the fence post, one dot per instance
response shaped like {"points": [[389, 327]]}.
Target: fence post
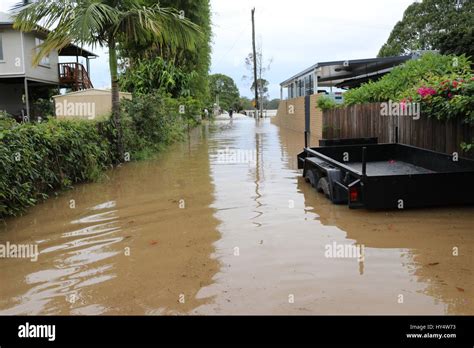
{"points": [[307, 118]]}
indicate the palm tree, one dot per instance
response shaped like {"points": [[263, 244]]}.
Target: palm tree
{"points": [[105, 23]]}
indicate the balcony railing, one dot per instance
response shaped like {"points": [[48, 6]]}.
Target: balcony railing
{"points": [[74, 76]]}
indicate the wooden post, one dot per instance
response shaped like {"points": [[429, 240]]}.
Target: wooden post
{"points": [[254, 63]]}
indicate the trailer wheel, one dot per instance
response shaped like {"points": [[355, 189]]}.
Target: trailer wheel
{"points": [[323, 186], [311, 177]]}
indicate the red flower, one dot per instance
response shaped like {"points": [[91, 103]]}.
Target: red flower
{"points": [[455, 84], [450, 95]]}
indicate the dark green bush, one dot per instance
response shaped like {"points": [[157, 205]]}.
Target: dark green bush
{"points": [[326, 103], [154, 120], [36, 159]]}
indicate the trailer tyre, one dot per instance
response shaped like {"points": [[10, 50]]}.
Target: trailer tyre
{"points": [[323, 186], [311, 177]]}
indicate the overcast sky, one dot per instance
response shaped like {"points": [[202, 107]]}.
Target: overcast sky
{"points": [[293, 34]]}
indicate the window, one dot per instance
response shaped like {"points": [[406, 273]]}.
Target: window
{"points": [[1, 48], [300, 87], [45, 60], [291, 93]]}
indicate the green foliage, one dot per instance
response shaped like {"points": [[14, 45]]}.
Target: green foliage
{"points": [[273, 104], [39, 158], [444, 25], [195, 62], [459, 41], [243, 104], [403, 79], [326, 103], [155, 120], [151, 75], [444, 97], [225, 87], [4, 115], [468, 147]]}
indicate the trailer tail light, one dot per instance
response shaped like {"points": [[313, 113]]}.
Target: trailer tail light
{"points": [[353, 194]]}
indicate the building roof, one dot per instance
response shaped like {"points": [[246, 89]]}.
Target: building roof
{"points": [[335, 73], [69, 50], [91, 91]]}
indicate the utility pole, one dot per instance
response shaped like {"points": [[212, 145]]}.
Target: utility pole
{"points": [[254, 63]]}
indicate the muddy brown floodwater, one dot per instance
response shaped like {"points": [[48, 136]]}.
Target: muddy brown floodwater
{"points": [[224, 224]]}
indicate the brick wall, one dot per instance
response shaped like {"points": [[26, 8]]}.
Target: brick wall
{"points": [[295, 121]]}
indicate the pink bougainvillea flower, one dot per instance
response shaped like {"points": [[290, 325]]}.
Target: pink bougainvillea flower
{"points": [[450, 95], [426, 91]]}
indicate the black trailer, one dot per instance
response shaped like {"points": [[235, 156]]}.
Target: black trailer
{"points": [[364, 174]]}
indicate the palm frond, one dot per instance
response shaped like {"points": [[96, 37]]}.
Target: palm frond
{"points": [[142, 24]]}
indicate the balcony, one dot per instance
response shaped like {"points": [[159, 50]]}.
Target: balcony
{"points": [[74, 76]]}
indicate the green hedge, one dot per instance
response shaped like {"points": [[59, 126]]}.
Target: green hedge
{"points": [[37, 159]]}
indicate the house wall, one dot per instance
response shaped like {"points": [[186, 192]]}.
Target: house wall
{"points": [[291, 112], [11, 98], [18, 61], [12, 53], [40, 72]]}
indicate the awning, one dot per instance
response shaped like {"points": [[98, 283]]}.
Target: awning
{"points": [[350, 73], [74, 50]]}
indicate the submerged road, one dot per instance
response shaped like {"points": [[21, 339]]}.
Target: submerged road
{"points": [[224, 224]]}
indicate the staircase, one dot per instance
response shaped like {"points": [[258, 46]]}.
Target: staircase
{"points": [[74, 76]]}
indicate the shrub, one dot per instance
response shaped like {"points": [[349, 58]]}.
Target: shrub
{"points": [[37, 159], [154, 120], [326, 103], [444, 97]]}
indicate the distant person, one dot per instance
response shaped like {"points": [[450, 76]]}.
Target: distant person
{"points": [[231, 112], [206, 113]]}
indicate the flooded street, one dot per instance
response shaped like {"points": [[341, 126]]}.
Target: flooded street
{"points": [[224, 224]]}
